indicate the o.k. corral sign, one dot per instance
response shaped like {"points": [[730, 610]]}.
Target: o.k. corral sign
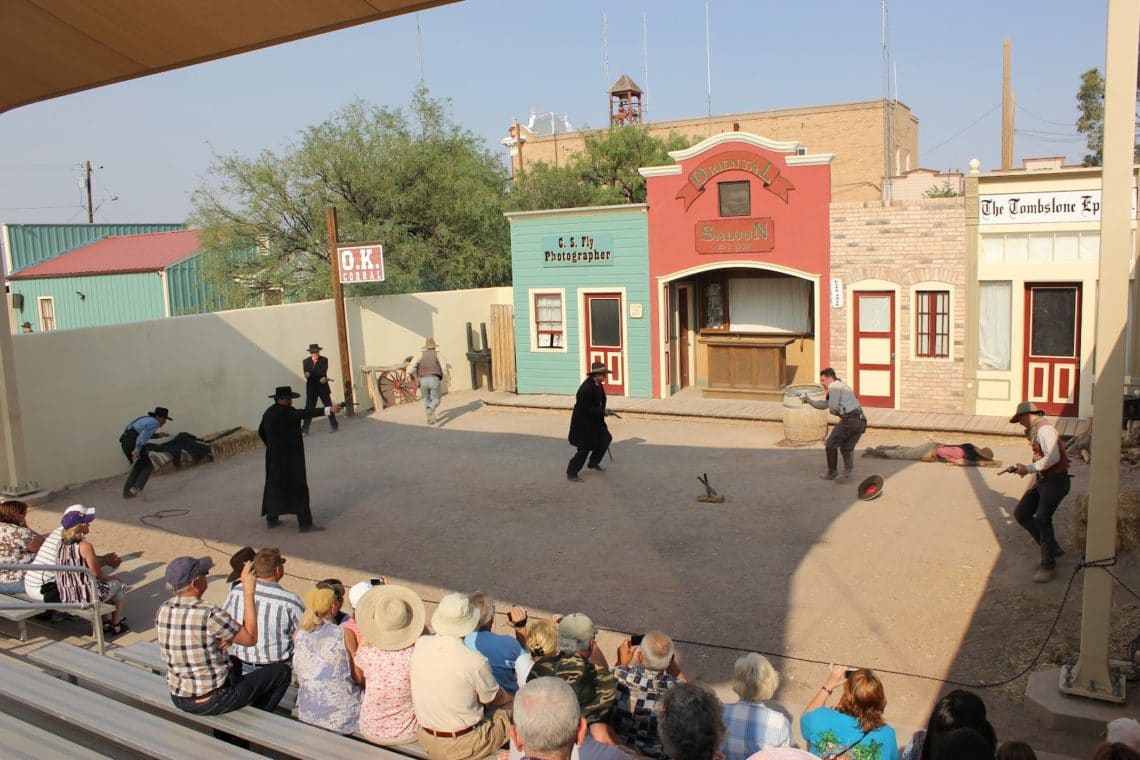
{"points": [[362, 262]]}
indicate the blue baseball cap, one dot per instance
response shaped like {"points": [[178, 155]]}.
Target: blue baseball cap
{"points": [[183, 570]]}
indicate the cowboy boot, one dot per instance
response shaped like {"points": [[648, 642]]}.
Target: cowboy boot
{"points": [[848, 464], [832, 464]]}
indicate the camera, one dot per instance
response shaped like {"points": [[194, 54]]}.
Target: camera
{"points": [[635, 639], [376, 581]]}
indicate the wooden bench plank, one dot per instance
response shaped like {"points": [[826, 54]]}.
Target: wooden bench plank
{"points": [[24, 741], [125, 726], [265, 729]]}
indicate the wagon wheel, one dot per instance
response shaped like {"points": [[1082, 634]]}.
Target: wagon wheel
{"points": [[397, 388]]}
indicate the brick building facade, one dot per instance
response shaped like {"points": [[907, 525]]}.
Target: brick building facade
{"points": [[854, 132], [900, 254]]}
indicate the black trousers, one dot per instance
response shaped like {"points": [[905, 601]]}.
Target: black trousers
{"points": [[595, 453], [312, 394], [263, 688], [1035, 513], [141, 468]]}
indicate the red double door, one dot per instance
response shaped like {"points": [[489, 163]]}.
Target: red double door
{"points": [[604, 339], [1052, 350]]}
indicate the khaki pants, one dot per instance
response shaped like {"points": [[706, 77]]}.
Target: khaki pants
{"points": [[487, 738]]}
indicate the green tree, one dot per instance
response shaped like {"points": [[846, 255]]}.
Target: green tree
{"points": [[945, 190], [1090, 118], [415, 180], [543, 186], [610, 160]]}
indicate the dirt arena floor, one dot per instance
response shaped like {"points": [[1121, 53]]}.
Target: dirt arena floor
{"points": [[932, 579]]}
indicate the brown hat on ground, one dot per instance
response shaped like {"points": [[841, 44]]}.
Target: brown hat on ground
{"points": [[237, 562]]}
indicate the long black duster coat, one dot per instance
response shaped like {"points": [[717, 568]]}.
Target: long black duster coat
{"points": [[588, 428], [286, 483]]}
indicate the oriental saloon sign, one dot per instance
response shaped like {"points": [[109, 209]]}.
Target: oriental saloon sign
{"points": [[734, 160], [735, 235], [577, 250]]}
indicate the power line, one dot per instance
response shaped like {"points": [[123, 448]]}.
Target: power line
{"points": [[964, 129], [37, 208], [1042, 118]]}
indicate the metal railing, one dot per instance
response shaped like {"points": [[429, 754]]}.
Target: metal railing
{"points": [[94, 606]]}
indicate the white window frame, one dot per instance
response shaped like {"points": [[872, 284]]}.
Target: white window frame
{"points": [[533, 324], [40, 310], [912, 330]]}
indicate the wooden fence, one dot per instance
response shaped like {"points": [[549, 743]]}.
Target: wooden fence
{"points": [[503, 347]]}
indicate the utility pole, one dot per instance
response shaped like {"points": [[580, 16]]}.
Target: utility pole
{"points": [[338, 301], [888, 111], [1007, 102], [90, 208]]}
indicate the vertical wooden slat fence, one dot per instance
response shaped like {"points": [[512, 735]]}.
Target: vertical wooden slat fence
{"points": [[503, 347]]}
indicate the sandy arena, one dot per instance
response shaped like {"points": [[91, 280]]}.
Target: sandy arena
{"points": [[931, 579]]}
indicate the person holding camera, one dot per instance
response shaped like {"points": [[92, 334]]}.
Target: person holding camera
{"points": [[856, 721], [647, 668], [588, 431]]}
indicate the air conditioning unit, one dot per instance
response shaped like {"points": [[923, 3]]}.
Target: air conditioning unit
{"points": [[18, 301]]}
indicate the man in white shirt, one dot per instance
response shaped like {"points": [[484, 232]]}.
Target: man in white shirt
{"points": [[1050, 470], [462, 711]]}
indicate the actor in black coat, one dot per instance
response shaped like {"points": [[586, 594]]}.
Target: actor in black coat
{"points": [[286, 483], [316, 370], [588, 431]]}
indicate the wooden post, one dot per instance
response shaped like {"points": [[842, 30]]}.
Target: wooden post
{"points": [[338, 300], [1006, 110]]}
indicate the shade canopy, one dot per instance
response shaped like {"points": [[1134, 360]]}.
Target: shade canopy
{"points": [[55, 47]]}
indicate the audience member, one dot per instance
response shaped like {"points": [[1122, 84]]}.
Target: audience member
{"points": [[279, 614], [541, 641], [328, 694], [547, 724], [963, 744], [1124, 731], [1015, 751], [389, 619], [750, 724], [501, 651], [857, 719], [238, 561], [18, 544], [37, 581], [783, 753], [690, 723], [337, 587], [644, 674], [1114, 751], [192, 638], [595, 687], [451, 685], [74, 551], [957, 709]]}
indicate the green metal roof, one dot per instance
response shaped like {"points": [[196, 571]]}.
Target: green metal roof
{"points": [[30, 244]]}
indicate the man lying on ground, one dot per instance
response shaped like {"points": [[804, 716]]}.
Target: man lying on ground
{"points": [[960, 454]]}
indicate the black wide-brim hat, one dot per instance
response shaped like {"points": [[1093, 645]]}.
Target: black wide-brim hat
{"points": [[237, 562], [597, 368], [161, 411], [285, 391], [315, 347], [871, 488]]}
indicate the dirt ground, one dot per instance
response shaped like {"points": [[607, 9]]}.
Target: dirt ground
{"points": [[930, 581]]}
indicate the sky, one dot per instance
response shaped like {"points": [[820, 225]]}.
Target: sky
{"points": [[152, 141]]}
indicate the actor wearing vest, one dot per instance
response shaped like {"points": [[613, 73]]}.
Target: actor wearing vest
{"points": [[588, 431], [133, 442], [316, 369], [1050, 469], [430, 369], [842, 402]]}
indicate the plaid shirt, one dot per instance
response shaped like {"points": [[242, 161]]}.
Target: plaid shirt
{"points": [[278, 615], [189, 631], [753, 727], [639, 695]]}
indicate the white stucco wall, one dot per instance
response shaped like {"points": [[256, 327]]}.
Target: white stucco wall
{"points": [[79, 388]]}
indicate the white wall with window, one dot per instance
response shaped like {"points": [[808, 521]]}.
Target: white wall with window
{"points": [[548, 320]]}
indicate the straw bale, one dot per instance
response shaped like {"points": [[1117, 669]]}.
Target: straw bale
{"points": [[1127, 521]]}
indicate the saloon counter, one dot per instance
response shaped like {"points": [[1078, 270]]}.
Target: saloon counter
{"points": [[715, 283]]}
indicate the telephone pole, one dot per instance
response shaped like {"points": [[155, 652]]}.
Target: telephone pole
{"points": [[90, 208]]}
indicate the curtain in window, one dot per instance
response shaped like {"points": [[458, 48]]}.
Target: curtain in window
{"points": [[994, 325], [548, 320], [769, 305]]}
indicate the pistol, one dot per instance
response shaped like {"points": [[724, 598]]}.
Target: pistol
{"points": [[1011, 468]]}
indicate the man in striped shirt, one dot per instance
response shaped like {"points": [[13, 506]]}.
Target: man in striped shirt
{"points": [[278, 614]]}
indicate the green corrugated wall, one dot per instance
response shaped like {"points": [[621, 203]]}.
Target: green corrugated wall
{"points": [[110, 299], [33, 243], [189, 293]]}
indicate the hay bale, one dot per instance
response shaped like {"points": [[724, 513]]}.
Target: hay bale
{"points": [[1127, 521], [227, 443]]}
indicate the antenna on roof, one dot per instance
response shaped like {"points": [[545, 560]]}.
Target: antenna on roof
{"points": [[605, 51], [420, 45], [645, 59]]}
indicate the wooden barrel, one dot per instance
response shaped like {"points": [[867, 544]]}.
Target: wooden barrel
{"points": [[804, 423]]}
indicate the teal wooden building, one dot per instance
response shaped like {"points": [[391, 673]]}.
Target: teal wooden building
{"points": [[113, 280], [581, 295]]}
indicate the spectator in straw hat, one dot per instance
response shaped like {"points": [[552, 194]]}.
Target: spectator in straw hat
{"points": [[451, 686], [588, 431], [1050, 485], [316, 370], [430, 368], [286, 483], [390, 619]]}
